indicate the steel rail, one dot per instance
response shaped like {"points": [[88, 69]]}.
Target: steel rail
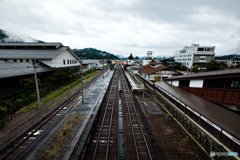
{"points": [[130, 96], [109, 132], [56, 111], [100, 131], [79, 90]]}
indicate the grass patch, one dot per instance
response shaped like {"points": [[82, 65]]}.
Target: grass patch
{"points": [[55, 147], [62, 92]]}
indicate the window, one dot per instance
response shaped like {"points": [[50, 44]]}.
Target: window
{"points": [[214, 83], [235, 83], [68, 61], [14, 60], [184, 83], [27, 60], [64, 62], [37, 60], [21, 60]]}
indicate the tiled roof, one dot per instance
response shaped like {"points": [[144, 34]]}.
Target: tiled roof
{"points": [[210, 73], [14, 69], [155, 63], [148, 70]]}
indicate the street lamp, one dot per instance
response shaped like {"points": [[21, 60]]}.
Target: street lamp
{"points": [[35, 75], [102, 62], [80, 60]]}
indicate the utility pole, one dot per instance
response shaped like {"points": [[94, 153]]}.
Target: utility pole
{"points": [[36, 82], [80, 60]]}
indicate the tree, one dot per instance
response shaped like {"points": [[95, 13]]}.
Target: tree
{"points": [[29, 81], [157, 78], [237, 66], [213, 66], [177, 65], [164, 62], [169, 66], [136, 57], [196, 68], [130, 57], [223, 64], [153, 60], [222, 67], [183, 68]]}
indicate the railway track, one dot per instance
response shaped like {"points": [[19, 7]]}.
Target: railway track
{"points": [[104, 142], [13, 148], [137, 140]]}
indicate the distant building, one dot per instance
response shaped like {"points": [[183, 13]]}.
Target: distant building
{"points": [[235, 61], [154, 69], [231, 63], [226, 61], [171, 62], [195, 55], [123, 62]]}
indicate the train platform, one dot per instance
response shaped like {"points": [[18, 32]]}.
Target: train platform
{"points": [[89, 108], [134, 82], [221, 116], [219, 123]]}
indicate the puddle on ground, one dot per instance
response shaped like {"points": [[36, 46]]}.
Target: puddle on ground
{"points": [[154, 108]]}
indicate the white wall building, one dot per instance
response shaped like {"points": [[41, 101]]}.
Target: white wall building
{"points": [[54, 55], [146, 62], [195, 54], [234, 61]]}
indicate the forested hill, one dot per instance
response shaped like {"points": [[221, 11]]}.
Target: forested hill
{"points": [[230, 56], [92, 53]]}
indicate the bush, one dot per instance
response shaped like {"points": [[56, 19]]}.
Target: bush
{"points": [[196, 68]]}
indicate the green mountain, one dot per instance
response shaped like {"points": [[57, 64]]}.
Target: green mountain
{"points": [[230, 56], [92, 53]]}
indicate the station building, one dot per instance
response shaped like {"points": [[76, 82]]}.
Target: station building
{"points": [[16, 57], [222, 86]]}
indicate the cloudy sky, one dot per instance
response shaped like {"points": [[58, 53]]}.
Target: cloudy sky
{"points": [[122, 27]]}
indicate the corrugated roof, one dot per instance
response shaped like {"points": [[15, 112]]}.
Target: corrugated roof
{"points": [[31, 53], [207, 74], [57, 44], [21, 68]]}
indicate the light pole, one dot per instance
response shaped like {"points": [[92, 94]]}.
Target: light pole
{"points": [[102, 62], [80, 60], [35, 75]]}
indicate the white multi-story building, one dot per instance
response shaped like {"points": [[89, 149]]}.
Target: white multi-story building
{"points": [[195, 54]]}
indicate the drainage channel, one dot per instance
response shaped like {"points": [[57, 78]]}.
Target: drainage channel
{"points": [[121, 141]]}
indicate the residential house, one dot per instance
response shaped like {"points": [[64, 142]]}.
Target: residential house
{"points": [[154, 69]]}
